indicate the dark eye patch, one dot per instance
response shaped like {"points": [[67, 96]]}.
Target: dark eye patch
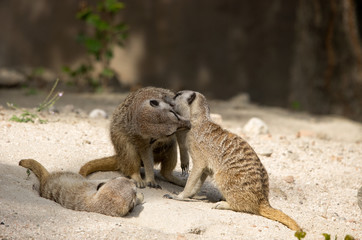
{"points": [[154, 103], [191, 98], [100, 185]]}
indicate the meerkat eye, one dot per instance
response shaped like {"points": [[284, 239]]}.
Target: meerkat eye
{"points": [[154, 103], [191, 98], [100, 185]]}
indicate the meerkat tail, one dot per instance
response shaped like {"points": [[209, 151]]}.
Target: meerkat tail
{"points": [[35, 167], [101, 164], [277, 215]]}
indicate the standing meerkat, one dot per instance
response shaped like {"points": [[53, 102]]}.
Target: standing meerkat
{"points": [[237, 170], [143, 131], [114, 197]]}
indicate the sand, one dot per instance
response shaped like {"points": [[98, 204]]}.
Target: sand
{"points": [[314, 164]]}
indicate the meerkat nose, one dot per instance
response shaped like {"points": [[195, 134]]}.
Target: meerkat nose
{"points": [[186, 126]]}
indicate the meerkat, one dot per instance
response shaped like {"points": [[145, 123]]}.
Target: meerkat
{"points": [[236, 169], [359, 198], [115, 197], [143, 131]]}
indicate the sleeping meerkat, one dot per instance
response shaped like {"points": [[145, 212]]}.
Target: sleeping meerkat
{"points": [[143, 131], [114, 197], [236, 169]]}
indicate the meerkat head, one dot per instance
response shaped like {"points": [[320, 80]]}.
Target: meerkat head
{"points": [[157, 119], [117, 196], [191, 104]]}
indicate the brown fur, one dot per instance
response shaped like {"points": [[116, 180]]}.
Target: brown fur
{"points": [[114, 197], [359, 198], [144, 133], [237, 170]]}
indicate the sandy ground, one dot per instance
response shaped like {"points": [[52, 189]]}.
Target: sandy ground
{"points": [[314, 177]]}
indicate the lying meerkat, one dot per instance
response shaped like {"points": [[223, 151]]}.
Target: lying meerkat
{"points": [[143, 131], [114, 197], [237, 170]]}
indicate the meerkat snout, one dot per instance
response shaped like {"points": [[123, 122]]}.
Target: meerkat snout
{"points": [[182, 122]]}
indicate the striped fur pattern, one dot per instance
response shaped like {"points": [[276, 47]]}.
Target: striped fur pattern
{"points": [[115, 197], [237, 171], [143, 125]]}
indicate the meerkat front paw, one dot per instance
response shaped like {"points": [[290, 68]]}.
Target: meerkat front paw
{"points": [[185, 169], [138, 181], [153, 184], [139, 184], [179, 198]]}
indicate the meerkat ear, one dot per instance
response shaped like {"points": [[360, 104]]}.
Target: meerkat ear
{"points": [[100, 185], [191, 98], [154, 103]]}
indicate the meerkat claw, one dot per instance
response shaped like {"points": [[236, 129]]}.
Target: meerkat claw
{"points": [[139, 184], [153, 184], [185, 170], [168, 196]]}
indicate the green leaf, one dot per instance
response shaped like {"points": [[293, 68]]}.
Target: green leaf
{"points": [[97, 22], [300, 234], [24, 117], [121, 27], [113, 6], [93, 45], [66, 69], [296, 105], [124, 36], [348, 237], [83, 14], [327, 236], [94, 83], [107, 72], [15, 118], [109, 54], [41, 121]]}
